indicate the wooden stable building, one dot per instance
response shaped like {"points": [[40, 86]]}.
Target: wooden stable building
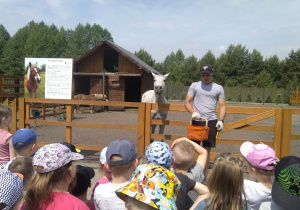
{"points": [[111, 70]]}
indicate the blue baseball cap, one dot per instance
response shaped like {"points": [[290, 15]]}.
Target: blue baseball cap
{"points": [[123, 148], [24, 136], [159, 153]]}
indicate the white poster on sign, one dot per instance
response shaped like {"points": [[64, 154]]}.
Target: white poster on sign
{"points": [[58, 84]]}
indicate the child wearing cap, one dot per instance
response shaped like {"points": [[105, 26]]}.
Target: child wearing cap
{"points": [[7, 151], [25, 142], [261, 161], [121, 161], [286, 186], [10, 189], [83, 182], [55, 171], [106, 174], [160, 153], [152, 187]]}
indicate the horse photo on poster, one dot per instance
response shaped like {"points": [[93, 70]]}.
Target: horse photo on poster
{"points": [[34, 78]]}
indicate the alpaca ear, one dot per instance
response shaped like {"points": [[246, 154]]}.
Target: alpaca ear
{"points": [[154, 75], [166, 75]]}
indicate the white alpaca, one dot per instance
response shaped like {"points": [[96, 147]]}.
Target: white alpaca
{"points": [[157, 96]]}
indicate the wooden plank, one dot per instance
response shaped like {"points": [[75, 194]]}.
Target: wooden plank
{"points": [[295, 137], [245, 110], [278, 131], [169, 107], [27, 114], [141, 129], [13, 126], [69, 120], [295, 111], [12, 85], [147, 124], [165, 136], [21, 113], [81, 124], [286, 133], [240, 142], [249, 120]]}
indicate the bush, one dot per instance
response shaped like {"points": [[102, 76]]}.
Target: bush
{"points": [[239, 98], [248, 97], [258, 100], [182, 96], [286, 98], [278, 98], [229, 98], [268, 100], [174, 97]]}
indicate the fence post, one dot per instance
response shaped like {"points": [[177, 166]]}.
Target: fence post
{"points": [[286, 133], [141, 129], [148, 124], [297, 96], [13, 126], [21, 113], [69, 119], [278, 131]]}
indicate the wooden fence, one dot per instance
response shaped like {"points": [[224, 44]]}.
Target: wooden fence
{"points": [[294, 97], [11, 87], [281, 127]]}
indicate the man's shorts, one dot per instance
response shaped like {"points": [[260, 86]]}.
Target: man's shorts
{"points": [[211, 141]]}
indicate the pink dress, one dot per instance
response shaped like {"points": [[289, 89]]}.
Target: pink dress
{"points": [[4, 147]]}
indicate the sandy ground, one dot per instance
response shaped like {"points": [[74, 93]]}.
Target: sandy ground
{"points": [[102, 137]]}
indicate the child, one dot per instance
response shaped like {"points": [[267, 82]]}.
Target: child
{"points": [[83, 182], [225, 184], [152, 187], [7, 151], [142, 160], [24, 142], [55, 171], [286, 186], [160, 153], [106, 174], [261, 161], [23, 165], [10, 189], [71, 147], [121, 160], [184, 153]]}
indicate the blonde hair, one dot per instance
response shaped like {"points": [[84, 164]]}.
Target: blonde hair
{"points": [[5, 112], [225, 184], [263, 175], [184, 153], [42, 185], [142, 160], [133, 204], [24, 148]]}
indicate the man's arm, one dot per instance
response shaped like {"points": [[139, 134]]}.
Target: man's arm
{"points": [[222, 104], [187, 103]]}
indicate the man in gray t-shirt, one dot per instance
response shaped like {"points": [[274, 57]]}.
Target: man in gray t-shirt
{"points": [[205, 94]]}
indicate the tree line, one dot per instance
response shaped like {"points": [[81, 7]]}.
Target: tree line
{"points": [[237, 66]]}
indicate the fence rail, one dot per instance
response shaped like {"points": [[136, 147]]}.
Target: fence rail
{"points": [[11, 87]]}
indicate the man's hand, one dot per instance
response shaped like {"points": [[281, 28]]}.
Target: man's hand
{"points": [[219, 125], [196, 116]]}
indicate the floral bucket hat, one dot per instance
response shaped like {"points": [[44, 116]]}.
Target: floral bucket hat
{"points": [[153, 185]]}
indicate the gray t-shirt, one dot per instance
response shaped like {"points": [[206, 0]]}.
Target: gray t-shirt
{"points": [[196, 173], [206, 98]]}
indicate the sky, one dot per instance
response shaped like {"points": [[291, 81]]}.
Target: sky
{"points": [[163, 26]]}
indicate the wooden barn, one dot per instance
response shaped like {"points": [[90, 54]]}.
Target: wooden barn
{"points": [[111, 70]]}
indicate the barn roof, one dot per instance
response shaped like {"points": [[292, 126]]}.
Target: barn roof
{"points": [[141, 64]]}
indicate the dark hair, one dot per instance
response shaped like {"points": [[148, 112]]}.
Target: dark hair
{"points": [[22, 165], [82, 185]]}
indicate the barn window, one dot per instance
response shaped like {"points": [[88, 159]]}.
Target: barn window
{"points": [[111, 60]]}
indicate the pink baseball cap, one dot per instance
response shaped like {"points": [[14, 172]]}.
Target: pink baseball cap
{"points": [[259, 155]]}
